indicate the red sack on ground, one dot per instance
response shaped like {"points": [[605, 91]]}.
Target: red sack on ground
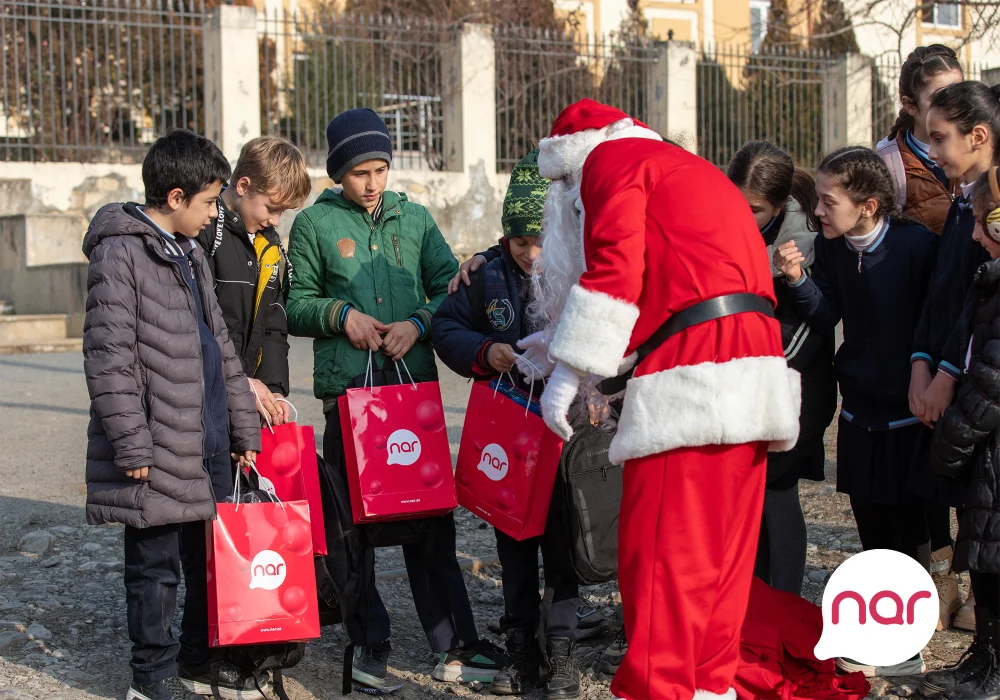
{"points": [[776, 652], [261, 576], [507, 461], [397, 452], [287, 467]]}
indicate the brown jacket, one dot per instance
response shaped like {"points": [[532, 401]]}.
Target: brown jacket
{"points": [[923, 197]]}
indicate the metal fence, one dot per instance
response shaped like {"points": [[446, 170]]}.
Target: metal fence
{"points": [[97, 81], [774, 94], [885, 92], [315, 65], [538, 73]]}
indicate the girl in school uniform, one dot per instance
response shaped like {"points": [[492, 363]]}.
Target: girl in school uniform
{"points": [[872, 272], [783, 199]]}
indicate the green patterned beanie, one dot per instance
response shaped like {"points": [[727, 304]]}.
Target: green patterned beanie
{"points": [[525, 200]]}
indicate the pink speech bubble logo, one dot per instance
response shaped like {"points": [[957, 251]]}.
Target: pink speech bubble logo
{"points": [[403, 448], [267, 570]]}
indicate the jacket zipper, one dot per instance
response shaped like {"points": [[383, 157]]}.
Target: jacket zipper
{"points": [[860, 253], [399, 253]]}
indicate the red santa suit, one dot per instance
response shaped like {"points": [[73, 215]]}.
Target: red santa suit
{"points": [[642, 229]]}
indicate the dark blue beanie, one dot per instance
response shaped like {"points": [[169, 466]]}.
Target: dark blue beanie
{"points": [[353, 137]]}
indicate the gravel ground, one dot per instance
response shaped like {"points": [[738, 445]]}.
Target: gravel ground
{"points": [[62, 613]]}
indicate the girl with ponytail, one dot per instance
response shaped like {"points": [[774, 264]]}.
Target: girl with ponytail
{"points": [[923, 192], [783, 199]]}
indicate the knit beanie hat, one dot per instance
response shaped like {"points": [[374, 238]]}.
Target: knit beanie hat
{"points": [[353, 137], [525, 199]]}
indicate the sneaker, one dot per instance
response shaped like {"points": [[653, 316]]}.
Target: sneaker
{"points": [[612, 657], [986, 687], [477, 662], [965, 618], [369, 664], [168, 689], [564, 675], [911, 667], [225, 680], [523, 662], [973, 664], [946, 582]]}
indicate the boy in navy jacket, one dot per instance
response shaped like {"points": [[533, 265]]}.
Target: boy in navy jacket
{"points": [[475, 332]]}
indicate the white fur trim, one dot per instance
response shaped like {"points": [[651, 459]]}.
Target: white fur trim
{"points": [[593, 332], [705, 695], [560, 156], [750, 399]]}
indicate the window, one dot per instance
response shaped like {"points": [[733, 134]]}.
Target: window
{"points": [[758, 22], [942, 14]]}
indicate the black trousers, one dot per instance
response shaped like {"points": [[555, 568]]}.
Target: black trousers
{"points": [[436, 581], [902, 528], [521, 601], [154, 559], [986, 588], [781, 547]]}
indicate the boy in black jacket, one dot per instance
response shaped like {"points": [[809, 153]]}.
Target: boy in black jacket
{"points": [[245, 255], [475, 332]]}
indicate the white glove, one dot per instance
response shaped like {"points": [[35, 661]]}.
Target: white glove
{"points": [[558, 396], [535, 359]]}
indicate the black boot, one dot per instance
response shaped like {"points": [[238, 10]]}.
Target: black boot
{"points": [[564, 675], [986, 687], [523, 661], [972, 667]]}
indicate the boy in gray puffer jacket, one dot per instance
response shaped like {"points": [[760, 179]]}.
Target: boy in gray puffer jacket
{"points": [[167, 394]]}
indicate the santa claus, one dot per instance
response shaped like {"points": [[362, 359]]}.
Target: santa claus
{"points": [[653, 260]]}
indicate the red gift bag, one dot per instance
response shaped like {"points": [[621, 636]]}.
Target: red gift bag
{"points": [[398, 457], [507, 461], [261, 576], [287, 468]]}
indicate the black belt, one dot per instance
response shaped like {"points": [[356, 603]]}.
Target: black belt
{"points": [[708, 310]]}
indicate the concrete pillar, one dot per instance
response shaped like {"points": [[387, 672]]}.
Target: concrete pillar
{"points": [[847, 103], [671, 94], [232, 78], [468, 65]]}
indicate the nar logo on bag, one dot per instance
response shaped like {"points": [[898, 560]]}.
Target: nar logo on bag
{"points": [[403, 447], [267, 570], [493, 462]]}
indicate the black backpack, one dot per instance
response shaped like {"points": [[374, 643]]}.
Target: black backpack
{"points": [[341, 578], [587, 501]]}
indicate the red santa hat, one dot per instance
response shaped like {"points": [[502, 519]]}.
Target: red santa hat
{"points": [[578, 130]]}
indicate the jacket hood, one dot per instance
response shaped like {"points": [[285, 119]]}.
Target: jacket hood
{"points": [[794, 227], [116, 219], [336, 197], [989, 274]]}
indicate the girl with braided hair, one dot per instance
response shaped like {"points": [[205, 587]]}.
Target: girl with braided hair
{"points": [[871, 271], [923, 191]]}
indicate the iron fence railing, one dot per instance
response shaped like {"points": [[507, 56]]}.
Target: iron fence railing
{"points": [[885, 92], [91, 82], [315, 65], [774, 94], [539, 72]]}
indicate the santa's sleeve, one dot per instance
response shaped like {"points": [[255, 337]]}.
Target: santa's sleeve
{"points": [[596, 325]]}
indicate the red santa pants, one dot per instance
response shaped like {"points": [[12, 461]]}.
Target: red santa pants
{"points": [[687, 541]]}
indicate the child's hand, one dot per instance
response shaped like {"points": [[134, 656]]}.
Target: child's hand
{"points": [[501, 357], [920, 379], [139, 473], [364, 332], [470, 265], [402, 336], [788, 259], [938, 397]]}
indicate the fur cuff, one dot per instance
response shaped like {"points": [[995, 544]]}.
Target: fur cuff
{"points": [[750, 399], [593, 332], [705, 695]]}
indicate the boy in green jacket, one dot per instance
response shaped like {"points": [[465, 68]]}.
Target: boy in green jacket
{"points": [[371, 268]]}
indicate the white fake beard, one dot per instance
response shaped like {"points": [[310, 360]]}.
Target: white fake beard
{"points": [[561, 262]]}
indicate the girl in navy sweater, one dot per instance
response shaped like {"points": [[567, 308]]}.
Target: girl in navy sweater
{"points": [[872, 272]]}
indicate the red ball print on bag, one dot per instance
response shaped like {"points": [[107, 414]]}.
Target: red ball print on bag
{"points": [[285, 459], [298, 537], [293, 600], [430, 416]]}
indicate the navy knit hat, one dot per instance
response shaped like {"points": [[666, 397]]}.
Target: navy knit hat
{"points": [[353, 137]]}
